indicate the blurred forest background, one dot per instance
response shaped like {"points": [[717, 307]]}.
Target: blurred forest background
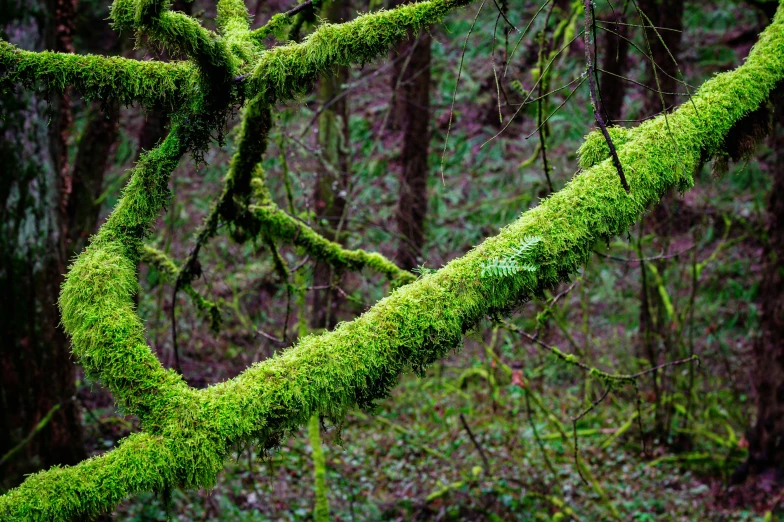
{"points": [[365, 158]]}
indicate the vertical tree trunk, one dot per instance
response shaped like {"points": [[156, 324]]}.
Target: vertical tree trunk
{"points": [[615, 63], [766, 438], [411, 77], [36, 373], [332, 179], [667, 14], [655, 335]]}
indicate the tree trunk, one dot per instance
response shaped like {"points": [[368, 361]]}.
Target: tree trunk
{"points": [[411, 77], [667, 14], [36, 373], [766, 438], [615, 63], [332, 177]]}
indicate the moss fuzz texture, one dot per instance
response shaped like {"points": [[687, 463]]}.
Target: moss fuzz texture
{"points": [[188, 433]]}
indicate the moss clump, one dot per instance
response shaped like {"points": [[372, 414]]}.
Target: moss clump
{"points": [[595, 149]]}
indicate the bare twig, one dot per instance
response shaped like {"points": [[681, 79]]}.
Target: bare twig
{"points": [[594, 103], [476, 443]]}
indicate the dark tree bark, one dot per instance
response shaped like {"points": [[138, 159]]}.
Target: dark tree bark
{"points": [[36, 373], [766, 438], [615, 62], [329, 196], [47, 212], [411, 77], [667, 14]]}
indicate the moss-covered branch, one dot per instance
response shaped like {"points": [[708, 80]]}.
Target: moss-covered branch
{"points": [[97, 297], [287, 71], [177, 31], [188, 433], [152, 84]]}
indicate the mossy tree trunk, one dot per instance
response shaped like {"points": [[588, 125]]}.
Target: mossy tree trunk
{"points": [[49, 209], [411, 79], [331, 188], [36, 371]]}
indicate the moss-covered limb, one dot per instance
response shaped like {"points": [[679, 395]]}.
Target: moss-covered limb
{"points": [[235, 198], [287, 71], [167, 267], [140, 463], [96, 300], [178, 32], [595, 149], [360, 361], [321, 505], [279, 225], [152, 84]]}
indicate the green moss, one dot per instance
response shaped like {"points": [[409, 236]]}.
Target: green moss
{"points": [[595, 149], [153, 84], [288, 71]]}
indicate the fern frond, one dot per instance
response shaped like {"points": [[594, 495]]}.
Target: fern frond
{"points": [[528, 245], [515, 263]]}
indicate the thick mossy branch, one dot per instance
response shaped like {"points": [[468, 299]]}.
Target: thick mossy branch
{"points": [[167, 267], [97, 296], [152, 84], [189, 433], [287, 71]]}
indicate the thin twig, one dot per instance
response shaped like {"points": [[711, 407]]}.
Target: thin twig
{"points": [[476, 444], [644, 259], [592, 85]]}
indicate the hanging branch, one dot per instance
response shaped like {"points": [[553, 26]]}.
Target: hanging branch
{"points": [[594, 102]]}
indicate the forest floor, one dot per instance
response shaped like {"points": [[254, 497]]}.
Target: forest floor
{"points": [[487, 434]]}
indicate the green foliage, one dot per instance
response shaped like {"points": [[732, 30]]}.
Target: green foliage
{"points": [[520, 260]]}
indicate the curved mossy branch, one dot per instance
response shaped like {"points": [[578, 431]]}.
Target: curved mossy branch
{"points": [[287, 71], [167, 267], [97, 296], [150, 83]]}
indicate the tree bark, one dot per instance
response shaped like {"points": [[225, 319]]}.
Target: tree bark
{"points": [[411, 77], [36, 373], [766, 438], [667, 14], [615, 62]]}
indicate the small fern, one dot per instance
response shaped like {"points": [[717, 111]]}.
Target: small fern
{"points": [[518, 261], [422, 270]]}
